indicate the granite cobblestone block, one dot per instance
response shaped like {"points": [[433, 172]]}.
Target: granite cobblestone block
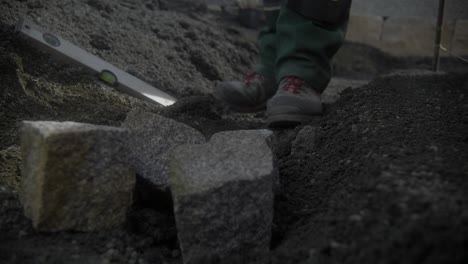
{"points": [[223, 198], [75, 176]]}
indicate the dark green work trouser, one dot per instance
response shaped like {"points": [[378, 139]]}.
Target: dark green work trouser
{"points": [[292, 45]]}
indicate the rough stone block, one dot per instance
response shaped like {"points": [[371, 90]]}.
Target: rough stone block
{"points": [[460, 38], [75, 176], [223, 198], [153, 138], [365, 29]]}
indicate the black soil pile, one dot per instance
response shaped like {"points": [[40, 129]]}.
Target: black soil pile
{"points": [[380, 178]]}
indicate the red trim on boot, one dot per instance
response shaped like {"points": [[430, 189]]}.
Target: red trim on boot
{"points": [[293, 84]]}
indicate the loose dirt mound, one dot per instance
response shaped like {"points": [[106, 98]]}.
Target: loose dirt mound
{"points": [[378, 179], [385, 179]]}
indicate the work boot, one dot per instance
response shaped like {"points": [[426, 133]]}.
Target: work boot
{"points": [[294, 103], [249, 95]]}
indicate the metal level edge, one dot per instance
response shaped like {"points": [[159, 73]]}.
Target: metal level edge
{"points": [[126, 82]]}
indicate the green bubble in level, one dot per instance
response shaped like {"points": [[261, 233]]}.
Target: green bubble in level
{"points": [[108, 77]]}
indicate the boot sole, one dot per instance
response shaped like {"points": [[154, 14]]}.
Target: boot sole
{"points": [[289, 120]]}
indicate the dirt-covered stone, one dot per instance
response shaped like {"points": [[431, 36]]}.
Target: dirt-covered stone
{"points": [[223, 198], [75, 176], [152, 140]]}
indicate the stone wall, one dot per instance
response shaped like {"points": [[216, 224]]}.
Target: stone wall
{"points": [[407, 27], [455, 9], [408, 36]]}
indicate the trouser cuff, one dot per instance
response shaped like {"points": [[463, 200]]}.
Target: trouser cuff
{"points": [[265, 71]]}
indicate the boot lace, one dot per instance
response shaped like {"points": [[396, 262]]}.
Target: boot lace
{"points": [[293, 84], [248, 78]]}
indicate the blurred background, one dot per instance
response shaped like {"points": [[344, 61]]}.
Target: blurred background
{"points": [[399, 27]]}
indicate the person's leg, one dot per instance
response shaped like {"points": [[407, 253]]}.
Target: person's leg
{"points": [[306, 43], [267, 41], [306, 46], [252, 93]]}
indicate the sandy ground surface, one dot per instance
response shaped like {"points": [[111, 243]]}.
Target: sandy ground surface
{"points": [[379, 178]]}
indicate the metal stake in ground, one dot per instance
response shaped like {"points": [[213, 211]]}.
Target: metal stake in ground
{"points": [[438, 38]]}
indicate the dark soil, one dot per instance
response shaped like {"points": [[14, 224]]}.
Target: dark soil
{"points": [[380, 178]]}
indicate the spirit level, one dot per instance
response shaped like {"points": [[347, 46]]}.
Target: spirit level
{"points": [[106, 71]]}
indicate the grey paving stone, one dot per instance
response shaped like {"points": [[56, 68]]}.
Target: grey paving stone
{"points": [[223, 198], [75, 176], [153, 139]]}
